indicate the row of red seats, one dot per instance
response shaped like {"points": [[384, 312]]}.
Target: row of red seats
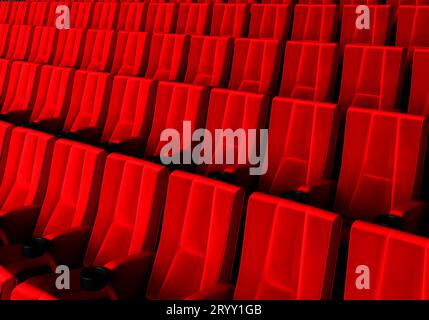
{"points": [[310, 22], [372, 76], [200, 226]]}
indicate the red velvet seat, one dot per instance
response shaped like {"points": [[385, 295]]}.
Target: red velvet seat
{"points": [[4, 38], [37, 13], [310, 70], [124, 234], [194, 18], [230, 20], [132, 16], [81, 14], [382, 166], [42, 45], [199, 233], [161, 17], [105, 15], [270, 21], [98, 50], [289, 251], [19, 43], [209, 60], [302, 139], [419, 95], [69, 48], [413, 23], [17, 12]]}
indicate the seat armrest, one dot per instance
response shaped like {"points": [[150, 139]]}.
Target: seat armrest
{"points": [[69, 247], [54, 124], [18, 225], [222, 291], [130, 275], [321, 193], [414, 215]]}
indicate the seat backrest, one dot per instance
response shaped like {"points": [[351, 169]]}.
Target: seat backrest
{"points": [[19, 42], [130, 111], [43, 44], [199, 233], [372, 77], [69, 48], [26, 168], [89, 96], [81, 14], [413, 23], [105, 15], [53, 94], [394, 262], [419, 95], [4, 38], [161, 17], [270, 21], [302, 139], [5, 133], [36, 14], [382, 162], [230, 20], [176, 103], [99, 50], [316, 22], [130, 209], [167, 58], [73, 188], [21, 87], [309, 70], [289, 251], [17, 12], [209, 60], [131, 53], [255, 65], [379, 30], [194, 18], [4, 12], [132, 16]]}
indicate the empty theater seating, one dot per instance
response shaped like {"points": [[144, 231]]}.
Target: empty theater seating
{"points": [[123, 237], [372, 77], [382, 165], [199, 233], [302, 137], [179, 96], [289, 251], [68, 205], [385, 264], [309, 71]]}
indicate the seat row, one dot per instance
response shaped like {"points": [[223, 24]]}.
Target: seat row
{"points": [[105, 228]]}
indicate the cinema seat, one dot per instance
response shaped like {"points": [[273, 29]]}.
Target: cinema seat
{"points": [[4, 38], [81, 14], [123, 238], [52, 98], [392, 261], [176, 103], [17, 101], [233, 110], [37, 13], [161, 17], [315, 22], [419, 95], [199, 233], [130, 114], [194, 18], [302, 139], [5, 133], [255, 65], [17, 12], [105, 15], [42, 45], [25, 167], [132, 16], [99, 50], [380, 26], [382, 166], [372, 77], [88, 106], [67, 211], [230, 20], [310, 70], [413, 23], [4, 12], [69, 48], [19, 42], [209, 60], [289, 251], [167, 58], [270, 21]]}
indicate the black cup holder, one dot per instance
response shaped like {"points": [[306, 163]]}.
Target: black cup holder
{"points": [[297, 196], [94, 279], [389, 220], [34, 247]]}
